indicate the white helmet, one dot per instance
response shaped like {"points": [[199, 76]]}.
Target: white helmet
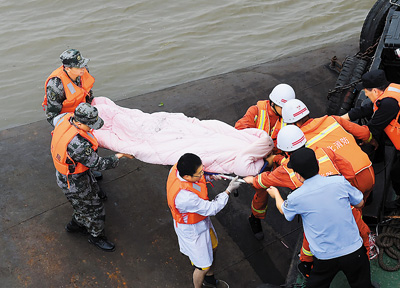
{"points": [[294, 110], [290, 138], [281, 94]]}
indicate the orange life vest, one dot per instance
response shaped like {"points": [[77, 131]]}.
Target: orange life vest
{"points": [[393, 129], [275, 130], [266, 119], [174, 185], [63, 133], [326, 167], [73, 93], [326, 132]]}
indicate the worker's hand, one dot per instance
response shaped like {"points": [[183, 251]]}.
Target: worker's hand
{"points": [[233, 185], [249, 179], [346, 117], [120, 155], [215, 177], [374, 143], [272, 191], [270, 159]]}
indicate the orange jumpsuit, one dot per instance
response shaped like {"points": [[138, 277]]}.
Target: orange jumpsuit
{"points": [[262, 116]]}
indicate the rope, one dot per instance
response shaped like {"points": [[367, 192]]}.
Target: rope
{"points": [[389, 243]]}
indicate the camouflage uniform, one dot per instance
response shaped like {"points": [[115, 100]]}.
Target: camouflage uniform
{"points": [[55, 89], [83, 188], [56, 97]]}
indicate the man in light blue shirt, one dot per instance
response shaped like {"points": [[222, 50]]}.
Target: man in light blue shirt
{"points": [[324, 206]]}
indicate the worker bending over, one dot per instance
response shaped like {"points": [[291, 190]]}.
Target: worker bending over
{"points": [[291, 139], [267, 116], [337, 134]]}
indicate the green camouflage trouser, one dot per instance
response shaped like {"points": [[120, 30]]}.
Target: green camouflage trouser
{"points": [[83, 196]]}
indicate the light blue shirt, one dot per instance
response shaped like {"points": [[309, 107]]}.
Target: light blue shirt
{"points": [[328, 222]]}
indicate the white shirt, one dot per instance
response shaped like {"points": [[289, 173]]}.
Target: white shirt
{"points": [[194, 239]]}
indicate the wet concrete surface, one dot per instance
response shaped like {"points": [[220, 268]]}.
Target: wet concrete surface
{"points": [[37, 252]]}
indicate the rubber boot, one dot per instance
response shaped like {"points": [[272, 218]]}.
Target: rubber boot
{"points": [[256, 227]]}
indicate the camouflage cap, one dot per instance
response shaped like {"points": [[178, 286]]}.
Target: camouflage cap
{"points": [[88, 115], [73, 58]]}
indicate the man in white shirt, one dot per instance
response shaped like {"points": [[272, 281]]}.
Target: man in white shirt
{"points": [[187, 197]]}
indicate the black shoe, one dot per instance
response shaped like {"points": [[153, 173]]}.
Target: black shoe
{"points": [[73, 227], [256, 227], [102, 243], [305, 268], [102, 194], [220, 284], [97, 174]]}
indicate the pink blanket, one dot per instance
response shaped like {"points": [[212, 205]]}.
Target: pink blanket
{"points": [[161, 138]]}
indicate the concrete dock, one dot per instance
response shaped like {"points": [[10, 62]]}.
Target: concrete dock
{"points": [[36, 251]]}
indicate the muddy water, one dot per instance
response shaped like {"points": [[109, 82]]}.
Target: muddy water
{"points": [[141, 46]]}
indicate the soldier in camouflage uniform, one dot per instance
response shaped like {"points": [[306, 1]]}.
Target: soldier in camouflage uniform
{"points": [[74, 75], [72, 133], [73, 68]]}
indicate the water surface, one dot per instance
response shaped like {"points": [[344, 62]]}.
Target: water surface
{"points": [[141, 46]]}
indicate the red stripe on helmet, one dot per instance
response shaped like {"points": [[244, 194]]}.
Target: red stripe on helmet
{"points": [[300, 112], [298, 141]]}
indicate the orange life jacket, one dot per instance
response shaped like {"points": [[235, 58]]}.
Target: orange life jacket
{"points": [[326, 132], [275, 130], [393, 129], [174, 185], [266, 119], [63, 133], [326, 167], [74, 94]]}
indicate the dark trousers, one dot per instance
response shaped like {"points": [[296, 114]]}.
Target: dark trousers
{"points": [[395, 172], [354, 265]]}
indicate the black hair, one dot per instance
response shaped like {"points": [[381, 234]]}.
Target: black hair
{"points": [[188, 164], [382, 87], [291, 152], [304, 162], [308, 174]]}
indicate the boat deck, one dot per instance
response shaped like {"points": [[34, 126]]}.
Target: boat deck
{"points": [[37, 252]]}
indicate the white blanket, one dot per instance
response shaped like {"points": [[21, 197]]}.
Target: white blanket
{"points": [[161, 138]]}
